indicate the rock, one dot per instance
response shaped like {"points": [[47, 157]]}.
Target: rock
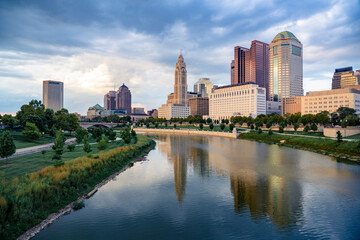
{"points": [[282, 141]]}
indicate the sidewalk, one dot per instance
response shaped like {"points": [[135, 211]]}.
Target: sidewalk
{"points": [[35, 149]]}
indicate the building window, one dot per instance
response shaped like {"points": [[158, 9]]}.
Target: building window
{"points": [[275, 50]]}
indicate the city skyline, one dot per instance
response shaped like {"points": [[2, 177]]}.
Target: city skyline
{"points": [[93, 50]]}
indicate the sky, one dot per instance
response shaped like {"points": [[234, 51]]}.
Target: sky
{"points": [[95, 45]]}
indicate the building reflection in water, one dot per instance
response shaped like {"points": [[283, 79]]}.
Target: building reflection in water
{"points": [[260, 183]]}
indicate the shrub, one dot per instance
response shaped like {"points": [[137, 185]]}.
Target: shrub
{"points": [[252, 127], [211, 126], [102, 144], [339, 136], [270, 132], [231, 127], [78, 205], [314, 127], [31, 131], [222, 126], [281, 129], [174, 126], [306, 128], [71, 147], [87, 147], [259, 131], [201, 126]]}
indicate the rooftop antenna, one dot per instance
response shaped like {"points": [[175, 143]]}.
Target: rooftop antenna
{"points": [[180, 51]]}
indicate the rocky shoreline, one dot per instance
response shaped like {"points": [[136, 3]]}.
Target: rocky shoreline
{"points": [[67, 209]]}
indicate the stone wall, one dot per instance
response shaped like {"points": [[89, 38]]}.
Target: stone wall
{"points": [[345, 132], [189, 132]]}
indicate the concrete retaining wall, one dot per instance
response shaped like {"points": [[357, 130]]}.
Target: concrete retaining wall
{"points": [[345, 132], [189, 132]]}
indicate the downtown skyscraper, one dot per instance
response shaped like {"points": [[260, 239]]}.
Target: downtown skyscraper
{"points": [[285, 67], [251, 65], [53, 95]]}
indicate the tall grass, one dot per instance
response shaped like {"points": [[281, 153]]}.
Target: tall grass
{"points": [[26, 201]]}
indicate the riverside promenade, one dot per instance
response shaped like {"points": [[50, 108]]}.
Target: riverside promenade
{"points": [[233, 134]]}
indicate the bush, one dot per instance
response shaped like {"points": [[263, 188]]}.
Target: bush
{"points": [[231, 127], [281, 129], [174, 126], [270, 132], [201, 126], [71, 147], [211, 126], [259, 131], [87, 147], [222, 126], [306, 128], [31, 131], [102, 144], [252, 126], [314, 127], [78, 205], [339, 136]]}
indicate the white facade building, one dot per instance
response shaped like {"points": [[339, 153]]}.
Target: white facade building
{"points": [[173, 111], [237, 100]]}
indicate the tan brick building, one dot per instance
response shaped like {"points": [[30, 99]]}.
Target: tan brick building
{"points": [[291, 105], [199, 106]]}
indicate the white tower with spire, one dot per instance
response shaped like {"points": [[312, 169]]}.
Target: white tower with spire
{"points": [[180, 87]]}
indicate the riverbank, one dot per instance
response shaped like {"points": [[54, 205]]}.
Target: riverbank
{"points": [[345, 150], [27, 201], [189, 132]]}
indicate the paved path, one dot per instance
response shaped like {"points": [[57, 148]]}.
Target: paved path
{"points": [[38, 148]]}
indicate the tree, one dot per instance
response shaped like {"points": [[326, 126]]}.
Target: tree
{"points": [[352, 120], [7, 146], [270, 132], [87, 147], [201, 126], [79, 134], [102, 144], [269, 124], [259, 131], [281, 129], [125, 135], [314, 127], [306, 128], [34, 108], [9, 121], [226, 121], [156, 125], [147, 125], [31, 131], [296, 126], [66, 121], [174, 126], [96, 133], [71, 147], [112, 135], [211, 126], [222, 126], [252, 126], [339, 136], [231, 127], [345, 111], [59, 143], [208, 120]]}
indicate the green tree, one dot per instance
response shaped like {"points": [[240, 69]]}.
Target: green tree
{"points": [[306, 128], [34, 108], [125, 135], [259, 131], [102, 144], [59, 143], [87, 147], [222, 126], [174, 126], [269, 124], [211, 126], [147, 125], [7, 146], [156, 125], [314, 127], [339, 136], [201, 126], [345, 111], [9, 121], [96, 133], [79, 134], [112, 135], [66, 121], [71, 147], [231, 127], [208, 120], [31, 131], [270, 132], [281, 129], [296, 126]]}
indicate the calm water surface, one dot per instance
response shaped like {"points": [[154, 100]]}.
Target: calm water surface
{"points": [[194, 187]]}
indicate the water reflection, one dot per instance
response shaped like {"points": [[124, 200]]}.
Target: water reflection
{"points": [[258, 176]]}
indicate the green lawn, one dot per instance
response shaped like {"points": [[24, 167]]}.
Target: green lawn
{"points": [[19, 166], [357, 136], [206, 128], [22, 142], [317, 144]]}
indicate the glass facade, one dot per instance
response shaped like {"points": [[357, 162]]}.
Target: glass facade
{"points": [[276, 82], [295, 50]]}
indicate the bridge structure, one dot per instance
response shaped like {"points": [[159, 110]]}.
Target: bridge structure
{"points": [[86, 125]]}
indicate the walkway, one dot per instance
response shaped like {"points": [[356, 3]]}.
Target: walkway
{"points": [[38, 148]]}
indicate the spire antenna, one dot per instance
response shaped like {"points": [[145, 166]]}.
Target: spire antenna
{"points": [[181, 51]]}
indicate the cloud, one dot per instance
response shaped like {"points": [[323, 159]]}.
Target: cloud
{"points": [[90, 45]]}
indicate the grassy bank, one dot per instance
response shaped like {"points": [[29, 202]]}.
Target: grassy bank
{"points": [[26, 201], [321, 145], [22, 165], [205, 128], [22, 142]]}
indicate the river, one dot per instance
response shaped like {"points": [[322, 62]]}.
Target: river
{"points": [[201, 187]]}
